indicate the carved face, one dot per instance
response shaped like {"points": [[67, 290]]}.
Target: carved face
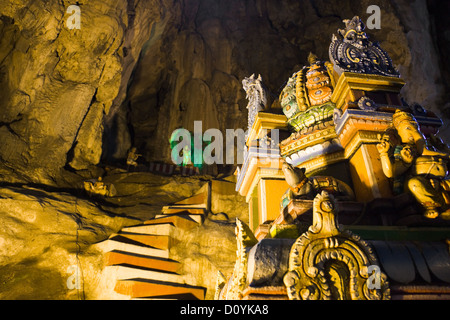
{"points": [[409, 132], [354, 32], [248, 83]]}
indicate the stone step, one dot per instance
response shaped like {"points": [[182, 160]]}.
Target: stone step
{"points": [[164, 229], [199, 218], [125, 272], [162, 242], [140, 288], [199, 199], [114, 244], [182, 222], [119, 258], [183, 209]]}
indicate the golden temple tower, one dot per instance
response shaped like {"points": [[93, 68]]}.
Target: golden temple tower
{"points": [[344, 158]]}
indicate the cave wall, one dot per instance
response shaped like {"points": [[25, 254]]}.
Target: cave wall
{"points": [[137, 70], [58, 83]]}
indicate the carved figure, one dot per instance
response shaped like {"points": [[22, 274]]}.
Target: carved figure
{"points": [[405, 157], [328, 263], [302, 187], [351, 50], [98, 187], [132, 157], [256, 96]]}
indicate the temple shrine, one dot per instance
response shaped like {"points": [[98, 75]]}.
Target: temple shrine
{"points": [[346, 184]]}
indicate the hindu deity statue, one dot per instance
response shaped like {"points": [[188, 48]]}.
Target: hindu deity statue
{"points": [[132, 157], [422, 171]]}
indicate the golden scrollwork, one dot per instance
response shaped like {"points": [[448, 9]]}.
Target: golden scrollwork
{"points": [[327, 263]]}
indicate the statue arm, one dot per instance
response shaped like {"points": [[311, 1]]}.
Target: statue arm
{"points": [[391, 167], [394, 168], [387, 165]]}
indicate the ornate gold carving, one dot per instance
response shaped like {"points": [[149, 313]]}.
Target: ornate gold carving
{"points": [[328, 263], [349, 82], [306, 97], [318, 82], [351, 50], [220, 284], [398, 117], [303, 187], [323, 161], [300, 90], [361, 137], [305, 141]]}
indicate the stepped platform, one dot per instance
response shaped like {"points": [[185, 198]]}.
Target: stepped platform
{"points": [[113, 258], [139, 288]]}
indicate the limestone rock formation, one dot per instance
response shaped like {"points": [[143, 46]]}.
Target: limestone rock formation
{"points": [[57, 83], [47, 235]]}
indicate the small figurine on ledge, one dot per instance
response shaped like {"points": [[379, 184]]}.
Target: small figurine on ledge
{"points": [[132, 158], [405, 157], [98, 187]]}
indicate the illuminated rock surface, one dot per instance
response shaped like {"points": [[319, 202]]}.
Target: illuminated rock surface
{"points": [[45, 232]]}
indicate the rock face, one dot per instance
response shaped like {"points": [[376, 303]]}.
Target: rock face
{"points": [[43, 235], [58, 83], [47, 235]]}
